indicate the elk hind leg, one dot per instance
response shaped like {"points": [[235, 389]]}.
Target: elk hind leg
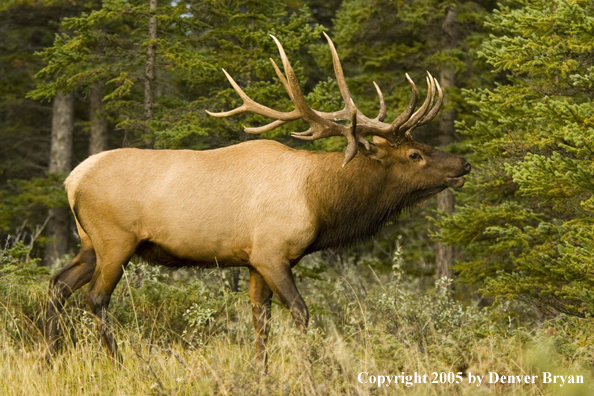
{"points": [[61, 285], [111, 261]]}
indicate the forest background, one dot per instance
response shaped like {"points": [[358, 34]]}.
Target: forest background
{"points": [[497, 276]]}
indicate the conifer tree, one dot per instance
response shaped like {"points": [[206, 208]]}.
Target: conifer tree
{"points": [[194, 40], [527, 229], [26, 125]]}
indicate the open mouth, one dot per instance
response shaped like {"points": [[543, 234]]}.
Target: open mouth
{"points": [[455, 182]]}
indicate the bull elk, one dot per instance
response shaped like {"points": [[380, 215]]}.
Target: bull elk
{"points": [[258, 204]]}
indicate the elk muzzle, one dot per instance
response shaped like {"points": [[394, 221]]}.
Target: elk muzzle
{"points": [[457, 181]]}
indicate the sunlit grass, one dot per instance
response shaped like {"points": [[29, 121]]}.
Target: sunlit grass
{"points": [[362, 322]]}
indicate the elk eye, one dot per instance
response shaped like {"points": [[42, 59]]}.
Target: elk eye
{"points": [[415, 156]]}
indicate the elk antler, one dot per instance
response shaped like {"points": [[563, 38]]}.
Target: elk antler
{"points": [[322, 124]]}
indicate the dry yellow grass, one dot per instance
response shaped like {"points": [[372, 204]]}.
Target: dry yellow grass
{"points": [[361, 323], [311, 364]]}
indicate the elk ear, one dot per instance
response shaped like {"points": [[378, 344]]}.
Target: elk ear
{"points": [[377, 149]]}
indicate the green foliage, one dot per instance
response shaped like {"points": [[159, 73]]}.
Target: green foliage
{"points": [[25, 124], [22, 283], [108, 46], [527, 229], [432, 319], [16, 264], [29, 198], [188, 306], [241, 44], [195, 40]]}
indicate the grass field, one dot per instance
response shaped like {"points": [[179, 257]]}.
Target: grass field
{"points": [[185, 333]]}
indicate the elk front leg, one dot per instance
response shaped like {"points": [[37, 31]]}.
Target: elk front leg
{"points": [[279, 278], [261, 297]]}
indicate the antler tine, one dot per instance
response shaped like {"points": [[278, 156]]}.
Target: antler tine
{"points": [[429, 116], [412, 121], [240, 109], [265, 128], [382, 113], [319, 125], [292, 83], [251, 106], [342, 85], [409, 109], [432, 98], [282, 78], [276, 123]]}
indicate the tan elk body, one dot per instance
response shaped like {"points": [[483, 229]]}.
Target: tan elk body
{"points": [[258, 204]]}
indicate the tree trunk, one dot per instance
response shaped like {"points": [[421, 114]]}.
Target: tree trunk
{"points": [[62, 125], [98, 139], [444, 254], [149, 77], [60, 162]]}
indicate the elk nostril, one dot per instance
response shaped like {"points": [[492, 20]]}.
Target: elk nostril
{"points": [[466, 165]]}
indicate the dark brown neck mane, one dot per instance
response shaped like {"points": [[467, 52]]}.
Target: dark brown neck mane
{"points": [[354, 202]]}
